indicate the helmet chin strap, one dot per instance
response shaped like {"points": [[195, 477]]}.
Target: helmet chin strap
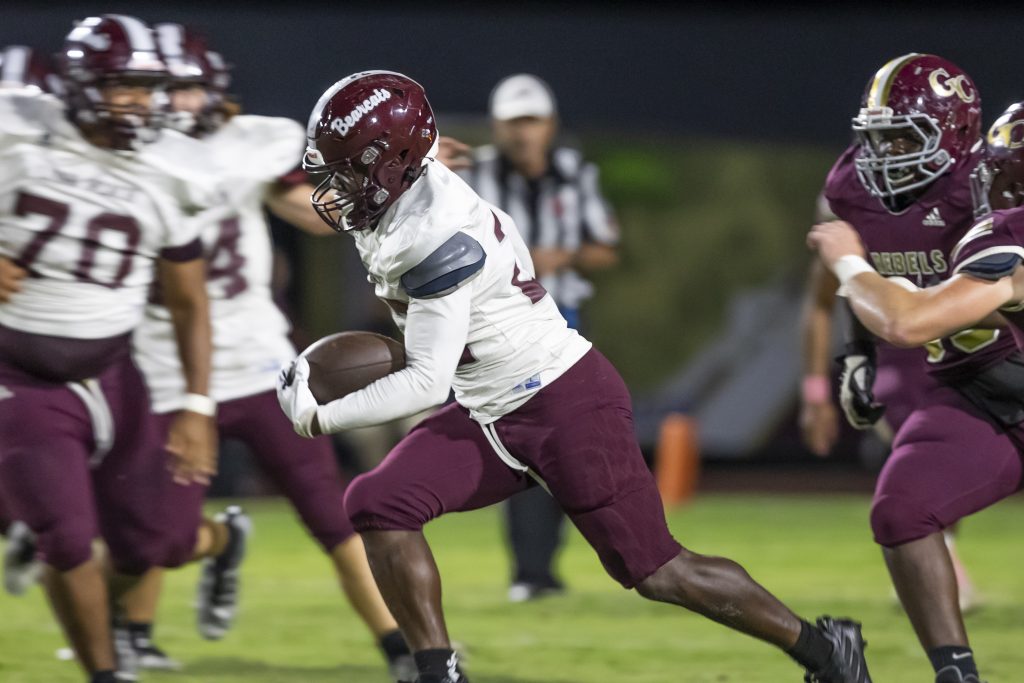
{"points": [[343, 213]]}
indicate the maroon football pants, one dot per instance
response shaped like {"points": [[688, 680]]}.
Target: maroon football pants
{"points": [[305, 469], [576, 434], [47, 479]]}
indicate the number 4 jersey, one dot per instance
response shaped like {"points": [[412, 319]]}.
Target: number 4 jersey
{"points": [[250, 343], [517, 342], [87, 223]]}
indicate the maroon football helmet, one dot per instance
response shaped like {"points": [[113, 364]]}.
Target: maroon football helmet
{"points": [[920, 115], [23, 67], [191, 63], [371, 132], [113, 50], [999, 181]]}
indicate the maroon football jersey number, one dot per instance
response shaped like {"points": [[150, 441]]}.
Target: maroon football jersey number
{"points": [[225, 259], [58, 212], [533, 289]]}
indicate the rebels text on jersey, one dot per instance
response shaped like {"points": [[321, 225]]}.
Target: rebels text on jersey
{"points": [[249, 333], [917, 243], [87, 223], [517, 340]]}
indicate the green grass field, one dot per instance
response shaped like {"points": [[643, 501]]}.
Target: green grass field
{"points": [[813, 552]]}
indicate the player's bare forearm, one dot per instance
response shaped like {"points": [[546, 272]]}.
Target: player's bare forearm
{"points": [[912, 318], [184, 288], [592, 257], [549, 260], [291, 204], [454, 154], [816, 321], [819, 422]]}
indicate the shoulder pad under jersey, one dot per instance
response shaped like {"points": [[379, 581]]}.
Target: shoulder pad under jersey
{"points": [[445, 269], [989, 250], [993, 266]]}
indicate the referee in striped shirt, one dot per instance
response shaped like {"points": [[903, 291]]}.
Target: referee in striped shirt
{"points": [[553, 196]]}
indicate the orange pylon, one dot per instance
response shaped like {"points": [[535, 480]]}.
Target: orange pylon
{"points": [[677, 459]]}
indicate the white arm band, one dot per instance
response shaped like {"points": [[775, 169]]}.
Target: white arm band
{"points": [[849, 267], [435, 335], [197, 403]]}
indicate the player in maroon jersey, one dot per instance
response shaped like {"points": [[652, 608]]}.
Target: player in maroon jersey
{"points": [[957, 453]]}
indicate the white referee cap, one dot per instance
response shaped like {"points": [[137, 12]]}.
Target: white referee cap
{"points": [[521, 95]]}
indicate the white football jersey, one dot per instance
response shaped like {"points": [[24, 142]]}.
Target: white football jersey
{"points": [[250, 342], [518, 342], [88, 223]]}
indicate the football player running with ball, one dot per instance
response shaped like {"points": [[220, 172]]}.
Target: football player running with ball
{"points": [[535, 402], [906, 190]]}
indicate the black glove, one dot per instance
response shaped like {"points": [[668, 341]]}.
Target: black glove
{"points": [[855, 386]]}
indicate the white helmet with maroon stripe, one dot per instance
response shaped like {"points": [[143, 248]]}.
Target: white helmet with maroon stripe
{"points": [[192, 63]]}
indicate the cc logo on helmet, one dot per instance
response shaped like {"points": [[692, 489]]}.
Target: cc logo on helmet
{"points": [[947, 86], [1009, 135]]}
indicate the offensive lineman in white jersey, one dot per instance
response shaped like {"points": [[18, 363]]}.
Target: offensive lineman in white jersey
{"points": [[255, 158], [534, 401], [94, 217]]}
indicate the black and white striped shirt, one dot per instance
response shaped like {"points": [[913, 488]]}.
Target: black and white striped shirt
{"points": [[562, 209]]}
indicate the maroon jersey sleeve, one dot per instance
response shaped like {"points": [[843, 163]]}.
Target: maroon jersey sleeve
{"points": [[842, 187], [993, 247], [294, 177]]}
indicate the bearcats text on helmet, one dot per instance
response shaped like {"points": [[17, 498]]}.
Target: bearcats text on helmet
{"points": [[343, 124]]}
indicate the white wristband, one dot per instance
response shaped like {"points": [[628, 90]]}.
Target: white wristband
{"points": [[849, 267], [197, 403]]}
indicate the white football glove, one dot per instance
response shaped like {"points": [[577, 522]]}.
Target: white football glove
{"points": [[856, 391], [295, 398]]}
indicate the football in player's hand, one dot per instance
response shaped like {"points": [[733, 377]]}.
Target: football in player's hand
{"points": [[348, 361]]}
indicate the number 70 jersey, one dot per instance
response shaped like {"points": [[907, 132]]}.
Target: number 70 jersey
{"points": [[87, 223], [518, 342]]}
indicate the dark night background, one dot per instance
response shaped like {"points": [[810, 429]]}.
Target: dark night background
{"points": [[725, 71]]}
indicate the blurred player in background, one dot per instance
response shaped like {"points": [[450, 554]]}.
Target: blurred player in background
{"points": [[554, 198], [905, 188], [94, 217], [255, 159], [535, 402], [21, 68]]}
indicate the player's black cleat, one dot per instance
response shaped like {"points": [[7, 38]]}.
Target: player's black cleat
{"points": [[153, 658], [426, 678], [847, 664], [951, 674], [217, 600]]}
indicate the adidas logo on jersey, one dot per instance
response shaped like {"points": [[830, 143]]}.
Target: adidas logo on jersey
{"points": [[934, 219]]}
